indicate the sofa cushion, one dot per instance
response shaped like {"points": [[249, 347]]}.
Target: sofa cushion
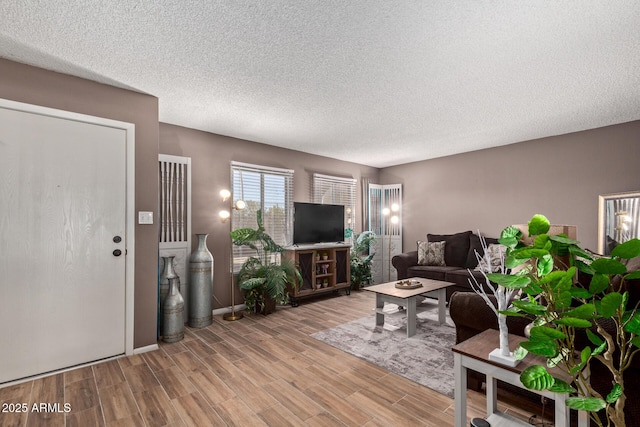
{"points": [[431, 253], [456, 249], [476, 245], [429, 272], [461, 278]]}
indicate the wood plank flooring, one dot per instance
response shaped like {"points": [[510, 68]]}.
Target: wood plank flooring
{"points": [[258, 371]]}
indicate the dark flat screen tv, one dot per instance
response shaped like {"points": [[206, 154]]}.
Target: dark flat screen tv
{"points": [[317, 223]]}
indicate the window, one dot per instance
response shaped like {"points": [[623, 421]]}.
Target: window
{"points": [[334, 190], [268, 189]]}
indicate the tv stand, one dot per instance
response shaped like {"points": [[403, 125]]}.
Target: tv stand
{"points": [[324, 267]]}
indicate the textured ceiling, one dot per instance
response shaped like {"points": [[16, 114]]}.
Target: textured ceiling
{"points": [[375, 82]]}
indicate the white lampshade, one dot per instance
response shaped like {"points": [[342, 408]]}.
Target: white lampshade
{"points": [[224, 215], [240, 205], [225, 194]]}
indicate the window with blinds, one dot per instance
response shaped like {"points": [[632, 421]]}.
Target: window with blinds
{"points": [[335, 190], [268, 189]]}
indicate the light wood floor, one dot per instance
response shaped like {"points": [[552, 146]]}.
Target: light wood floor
{"points": [[261, 370]]}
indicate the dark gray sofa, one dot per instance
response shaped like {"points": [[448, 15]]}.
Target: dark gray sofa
{"points": [[459, 256]]}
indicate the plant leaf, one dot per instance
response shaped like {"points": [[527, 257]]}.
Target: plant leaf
{"points": [[545, 265], [590, 404], [615, 393], [536, 377], [627, 250], [610, 303], [608, 266], [585, 311], [508, 280], [540, 242], [512, 313], [530, 307], [528, 252], [512, 262], [520, 353], [539, 224], [546, 349], [581, 293], [560, 386], [633, 275], [564, 240], [572, 321], [633, 325], [545, 333], [510, 236], [599, 282], [636, 342], [579, 252], [595, 339]]}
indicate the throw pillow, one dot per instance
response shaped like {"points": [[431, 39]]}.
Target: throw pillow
{"points": [[435, 253], [422, 252], [431, 253], [492, 260]]}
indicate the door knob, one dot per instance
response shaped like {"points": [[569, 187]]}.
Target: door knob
{"points": [[117, 239], [117, 252]]}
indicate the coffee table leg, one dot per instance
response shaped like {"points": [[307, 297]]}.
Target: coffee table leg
{"points": [[442, 305], [411, 316], [379, 307]]}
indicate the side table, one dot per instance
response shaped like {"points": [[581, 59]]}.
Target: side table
{"points": [[474, 354]]}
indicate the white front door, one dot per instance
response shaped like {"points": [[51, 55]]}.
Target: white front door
{"points": [[63, 217]]}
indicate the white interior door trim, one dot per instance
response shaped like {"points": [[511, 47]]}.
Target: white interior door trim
{"points": [[129, 129]]}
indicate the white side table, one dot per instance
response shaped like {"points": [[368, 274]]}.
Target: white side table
{"points": [[473, 354]]}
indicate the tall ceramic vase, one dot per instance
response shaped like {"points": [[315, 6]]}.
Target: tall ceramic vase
{"points": [[200, 285], [173, 313], [168, 272]]}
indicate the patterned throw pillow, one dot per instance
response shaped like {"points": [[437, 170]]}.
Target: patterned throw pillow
{"points": [[431, 253], [494, 255]]}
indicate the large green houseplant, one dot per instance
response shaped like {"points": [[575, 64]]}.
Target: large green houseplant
{"points": [[361, 258], [264, 277], [545, 268]]}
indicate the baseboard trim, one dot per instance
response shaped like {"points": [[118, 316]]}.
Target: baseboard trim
{"points": [[60, 371], [225, 310], [145, 349]]}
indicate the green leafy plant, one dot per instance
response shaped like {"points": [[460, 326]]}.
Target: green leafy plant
{"points": [[266, 275], [544, 267], [361, 258]]}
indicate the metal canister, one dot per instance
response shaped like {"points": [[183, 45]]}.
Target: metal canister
{"points": [[200, 285], [172, 313]]}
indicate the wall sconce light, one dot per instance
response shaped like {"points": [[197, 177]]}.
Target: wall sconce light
{"points": [[225, 215]]}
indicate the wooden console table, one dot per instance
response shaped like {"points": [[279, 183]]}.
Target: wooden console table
{"points": [[323, 267], [474, 354]]}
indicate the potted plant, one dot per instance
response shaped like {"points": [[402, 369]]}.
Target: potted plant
{"points": [[565, 311], [265, 277], [361, 258]]}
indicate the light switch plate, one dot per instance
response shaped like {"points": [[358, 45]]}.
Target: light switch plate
{"points": [[145, 217]]}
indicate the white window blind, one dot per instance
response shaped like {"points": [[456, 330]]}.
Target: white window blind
{"points": [[335, 190], [268, 189]]}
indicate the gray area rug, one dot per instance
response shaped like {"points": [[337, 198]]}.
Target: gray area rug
{"points": [[425, 358]]}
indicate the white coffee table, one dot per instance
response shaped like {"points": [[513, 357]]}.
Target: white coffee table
{"points": [[387, 292]]}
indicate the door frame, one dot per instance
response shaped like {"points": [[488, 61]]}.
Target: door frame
{"points": [[129, 129]]}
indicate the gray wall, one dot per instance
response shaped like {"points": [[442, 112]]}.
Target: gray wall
{"points": [[560, 177], [36, 86], [211, 157]]}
